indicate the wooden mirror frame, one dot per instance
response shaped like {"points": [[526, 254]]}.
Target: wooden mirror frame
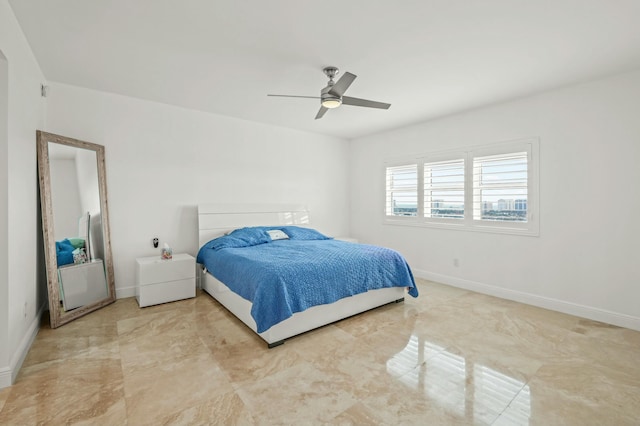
{"points": [[58, 317]]}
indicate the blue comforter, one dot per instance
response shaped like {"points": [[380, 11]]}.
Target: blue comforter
{"points": [[287, 276]]}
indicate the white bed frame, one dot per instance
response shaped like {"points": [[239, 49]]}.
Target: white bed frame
{"points": [[216, 219]]}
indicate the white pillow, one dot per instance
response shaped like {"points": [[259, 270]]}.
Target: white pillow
{"points": [[277, 234]]}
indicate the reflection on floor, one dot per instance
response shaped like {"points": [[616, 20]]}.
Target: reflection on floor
{"points": [[449, 357], [466, 390]]}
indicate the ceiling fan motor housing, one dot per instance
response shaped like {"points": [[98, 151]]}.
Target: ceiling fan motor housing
{"points": [[328, 100]]}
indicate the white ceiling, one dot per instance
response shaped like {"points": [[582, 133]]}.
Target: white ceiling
{"points": [[427, 58]]}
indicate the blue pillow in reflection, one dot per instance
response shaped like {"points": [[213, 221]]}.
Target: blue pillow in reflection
{"points": [[64, 252]]}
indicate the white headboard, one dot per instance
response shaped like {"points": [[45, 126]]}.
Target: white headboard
{"points": [[216, 219]]}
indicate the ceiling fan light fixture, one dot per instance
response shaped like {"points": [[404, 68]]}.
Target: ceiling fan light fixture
{"points": [[331, 102]]}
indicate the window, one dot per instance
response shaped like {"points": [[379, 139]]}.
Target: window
{"points": [[500, 187], [487, 188], [444, 189], [402, 190]]}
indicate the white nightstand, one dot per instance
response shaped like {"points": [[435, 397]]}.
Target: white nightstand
{"points": [[348, 239], [161, 281]]}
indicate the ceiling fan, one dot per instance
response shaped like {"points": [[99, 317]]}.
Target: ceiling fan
{"points": [[332, 96]]}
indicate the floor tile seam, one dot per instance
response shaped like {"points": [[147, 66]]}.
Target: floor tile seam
{"points": [[125, 399], [373, 374], [355, 403], [166, 337], [154, 327], [603, 340], [224, 349], [69, 353], [55, 363], [608, 372], [240, 391], [360, 338], [136, 370], [566, 335], [140, 370], [513, 337], [241, 384], [4, 403], [175, 310], [564, 392], [200, 337], [238, 385], [220, 366], [572, 396], [165, 416], [451, 348], [416, 367], [510, 402], [576, 357]]}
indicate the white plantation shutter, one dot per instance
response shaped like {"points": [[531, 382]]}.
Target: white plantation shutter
{"points": [[402, 190], [500, 187], [487, 188], [444, 189]]}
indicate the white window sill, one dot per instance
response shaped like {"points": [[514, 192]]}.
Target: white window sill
{"points": [[493, 229]]}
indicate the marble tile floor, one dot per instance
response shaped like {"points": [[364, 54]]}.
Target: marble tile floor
{"points": [[448, 357]]}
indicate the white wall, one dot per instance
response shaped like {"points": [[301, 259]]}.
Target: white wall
{"points": [[87, 171], [4, 221], [162, 161], [20, 285], [585, 259], [66, 200]]}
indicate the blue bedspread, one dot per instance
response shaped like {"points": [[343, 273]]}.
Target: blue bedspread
{"points": [[283, 277]]}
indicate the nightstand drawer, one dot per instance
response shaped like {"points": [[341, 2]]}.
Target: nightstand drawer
{"points": [[151, 270], [162, 281], [154, 294]]}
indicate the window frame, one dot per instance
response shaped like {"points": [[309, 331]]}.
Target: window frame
{"points": [[531, 227]]}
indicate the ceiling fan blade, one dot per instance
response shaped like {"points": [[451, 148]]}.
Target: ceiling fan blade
{"points": [[321, 112], [346, 100], [342, 84], [296, 96]]}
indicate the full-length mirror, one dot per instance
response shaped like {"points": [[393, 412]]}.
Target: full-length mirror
{"points": [[75, 225]]}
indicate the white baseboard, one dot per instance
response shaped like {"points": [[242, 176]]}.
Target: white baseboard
{"points": [[596, 314], [124, 292], [8, 374], [5, 377]]}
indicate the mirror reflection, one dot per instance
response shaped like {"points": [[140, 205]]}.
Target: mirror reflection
{"points": [[77, 227], [73, 198]]}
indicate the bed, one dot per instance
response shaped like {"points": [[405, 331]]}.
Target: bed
{"points": [[241, 288]]}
